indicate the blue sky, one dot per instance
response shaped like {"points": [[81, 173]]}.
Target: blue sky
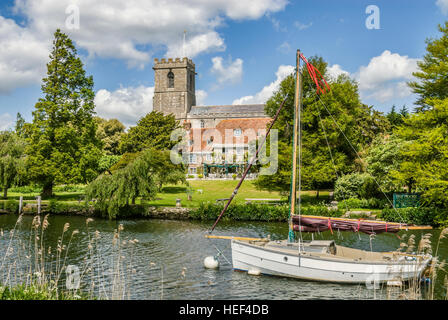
{"points": [[242, 49]]}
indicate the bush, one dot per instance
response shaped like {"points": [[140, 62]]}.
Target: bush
{"points": [[200, 176], [372, 203], [257, 212], [356, 185], [11, 206], [418, 216]]}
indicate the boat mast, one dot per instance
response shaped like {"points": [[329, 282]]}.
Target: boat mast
{"points": [[296, 141]]}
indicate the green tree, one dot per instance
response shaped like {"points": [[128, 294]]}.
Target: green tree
{"points": [[142, 177], [12, 160], [432, 78], [383, 157], [321, 132], [110, 133], [63, 147], [152, 131], [425, 164]]}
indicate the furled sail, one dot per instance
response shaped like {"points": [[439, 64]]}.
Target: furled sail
{"points": [[320, 224]]}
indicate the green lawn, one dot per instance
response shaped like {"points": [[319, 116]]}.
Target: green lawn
{"points": [[211, 191]]}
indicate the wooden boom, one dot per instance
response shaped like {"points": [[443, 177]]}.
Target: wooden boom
{"points": [[236, 238]]}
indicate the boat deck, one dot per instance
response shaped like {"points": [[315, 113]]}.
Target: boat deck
{"points": [[329, 250]]}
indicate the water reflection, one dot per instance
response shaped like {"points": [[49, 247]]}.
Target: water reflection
{"points": [[167, 260]]}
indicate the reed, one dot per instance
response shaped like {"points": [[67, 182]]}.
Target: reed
{"points": [[32, 269]]}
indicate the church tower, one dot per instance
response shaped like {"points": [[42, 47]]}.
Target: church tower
{"points": [[174, 90]]}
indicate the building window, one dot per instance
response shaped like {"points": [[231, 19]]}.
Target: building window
{"points": [[209, 157], [239, 151], [170, 79], [237, 132], [202, 124], [192, 158], [192, 170]]}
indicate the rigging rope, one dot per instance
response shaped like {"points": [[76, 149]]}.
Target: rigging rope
{"points": [[356, 152]]}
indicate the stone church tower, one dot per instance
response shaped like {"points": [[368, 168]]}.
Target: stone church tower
{"points": [[174, 90]]}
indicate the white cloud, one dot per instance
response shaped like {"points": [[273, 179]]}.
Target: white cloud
{"points": [[122, 29], [232, 73], [6, 121], [264, 94], [385, 77], [336, 70], [125, 104], [23, 56], [285, 47], [443, 5], [130, 30], [302, 26], [201, 95]]}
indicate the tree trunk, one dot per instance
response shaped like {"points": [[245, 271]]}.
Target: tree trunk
{"points": [[47, 192], [317, 194], [5, 192], [133, 201]]}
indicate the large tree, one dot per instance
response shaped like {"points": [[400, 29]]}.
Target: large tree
{"points": [[152, 131], [63, 147], [12, 160], [432, 78], [326, 121]]}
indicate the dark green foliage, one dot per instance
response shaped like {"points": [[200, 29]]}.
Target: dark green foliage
{"points": [[152, 131], [424, 167], [396, 119], [12, 161], [358, 122], [354, 203], [356, 185], [432, 79], [419, 216], [257, 212], [63, 147]]}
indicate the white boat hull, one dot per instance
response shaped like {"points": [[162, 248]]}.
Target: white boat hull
{"points": [[323, 267]]}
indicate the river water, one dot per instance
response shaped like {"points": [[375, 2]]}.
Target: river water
{"points": [[166, 260]]}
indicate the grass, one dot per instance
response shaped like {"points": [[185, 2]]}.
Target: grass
{"points": [[211, 191]]}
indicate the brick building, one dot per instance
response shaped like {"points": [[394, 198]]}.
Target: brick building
{"points": [[218, 136]]}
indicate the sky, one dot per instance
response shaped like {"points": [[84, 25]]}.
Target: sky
{"points": [[242, 49]]}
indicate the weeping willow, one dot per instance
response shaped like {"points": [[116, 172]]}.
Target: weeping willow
{"points": [[141, 178]]}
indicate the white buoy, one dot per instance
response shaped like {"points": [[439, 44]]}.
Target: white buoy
{"points": [[211, 262], [254, 272]]}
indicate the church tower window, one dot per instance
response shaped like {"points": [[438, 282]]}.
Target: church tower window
{"points": [[170, 79]]}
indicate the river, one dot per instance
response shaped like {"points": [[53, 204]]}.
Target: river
{"points": [[166, 260]]}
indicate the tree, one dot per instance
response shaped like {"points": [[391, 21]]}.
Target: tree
{"points": [[433, 74], [12, 160], [110, 133], [142, 177], [321, 132], [152, 131], [63, 147], [425, 164], [383, 157]]}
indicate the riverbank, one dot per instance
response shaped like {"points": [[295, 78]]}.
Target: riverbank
{"points": [[236, 212]]}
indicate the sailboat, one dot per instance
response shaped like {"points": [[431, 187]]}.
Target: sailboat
{"points": [[320, 260]]}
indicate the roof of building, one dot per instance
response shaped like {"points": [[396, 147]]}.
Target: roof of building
{"points": [[229, 111], [249, 129]]}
